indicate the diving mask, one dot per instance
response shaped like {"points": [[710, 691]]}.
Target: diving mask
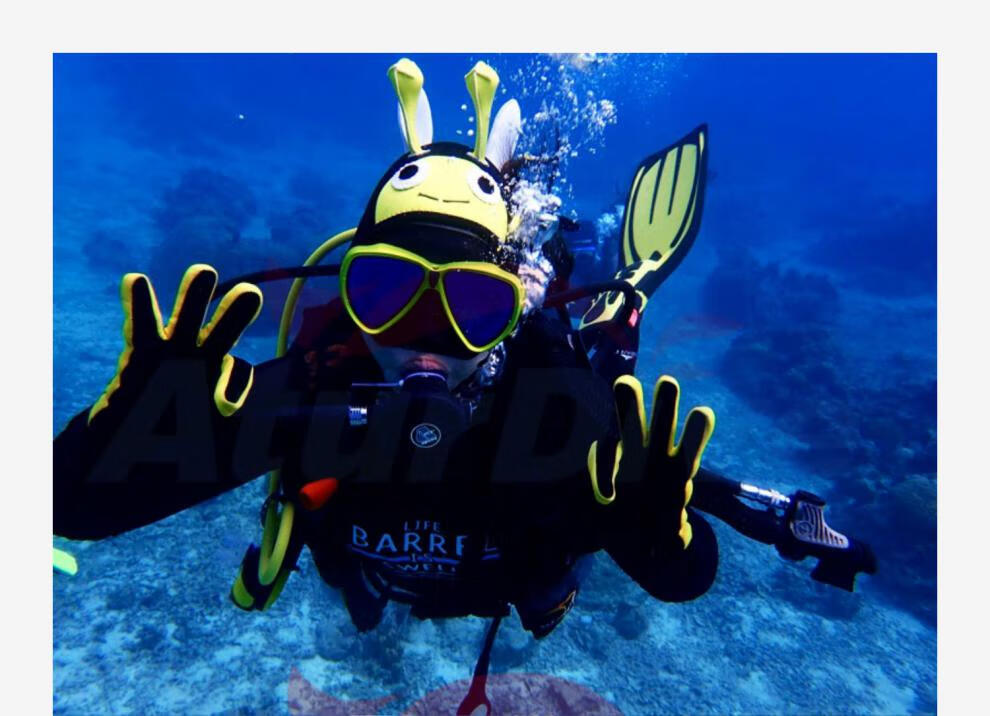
{"points": [[381, 283]]}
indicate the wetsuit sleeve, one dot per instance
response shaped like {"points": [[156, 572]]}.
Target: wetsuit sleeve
{"points": [[156, 463], [686, 575], [677, 577]]}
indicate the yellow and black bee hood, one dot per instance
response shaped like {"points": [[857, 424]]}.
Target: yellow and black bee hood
{"points": [[444, 200]]}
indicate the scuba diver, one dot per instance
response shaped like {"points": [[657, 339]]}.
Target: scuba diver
{"points": [[443, 433]]}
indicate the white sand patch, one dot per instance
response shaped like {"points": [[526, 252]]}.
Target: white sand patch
{"points": [[421, 639], [448, 671], [664, 629], [228, 654], [586, 676], [758, 689], [892, 699]]}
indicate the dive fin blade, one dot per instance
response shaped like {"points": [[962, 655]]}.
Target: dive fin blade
{"points": [[663, 209], [661, 220]]}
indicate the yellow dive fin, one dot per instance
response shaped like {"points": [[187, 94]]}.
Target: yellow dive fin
{"points": [[661, 220], [63, 561]]}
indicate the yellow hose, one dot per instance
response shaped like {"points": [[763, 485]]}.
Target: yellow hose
{"points": [[278, 527], [289, 309]]}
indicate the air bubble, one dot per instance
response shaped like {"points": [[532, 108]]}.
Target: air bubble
{"points": [[470, 132]]}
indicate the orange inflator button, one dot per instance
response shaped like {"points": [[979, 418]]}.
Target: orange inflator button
{"points": [[316, 494]]}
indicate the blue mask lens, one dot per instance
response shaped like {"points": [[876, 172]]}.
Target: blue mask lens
{"points": [[482, 305], [379, 287]]}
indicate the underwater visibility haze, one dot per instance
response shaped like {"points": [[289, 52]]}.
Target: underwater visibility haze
{"points": [[804, 316]]}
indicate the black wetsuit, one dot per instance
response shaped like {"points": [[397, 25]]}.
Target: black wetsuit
{"points": [[495, 510]]}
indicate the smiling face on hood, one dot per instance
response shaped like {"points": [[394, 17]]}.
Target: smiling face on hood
{"points": [[445, 180]]}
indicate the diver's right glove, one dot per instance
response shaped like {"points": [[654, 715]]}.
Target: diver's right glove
{"points": [[180, 373], [662, 471], [148, 344]]}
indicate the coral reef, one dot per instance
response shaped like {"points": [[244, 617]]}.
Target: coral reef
{"points": [[109, 252], [513, 646], [794, 374], [201, 220], [334, 641], [818, 599], [303, 226], [888, 249], [799, 376], [204, 219], [742, 290], [914, 501], [874, 437], [629, 621], [787, 362], [309, 217]]}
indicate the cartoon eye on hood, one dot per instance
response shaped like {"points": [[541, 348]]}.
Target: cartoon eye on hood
{"points": [[446, 179], [483, 186], [412, 174]]}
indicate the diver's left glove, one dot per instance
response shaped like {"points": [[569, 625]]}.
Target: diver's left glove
{"points": [[148, 344], [663, 470]]}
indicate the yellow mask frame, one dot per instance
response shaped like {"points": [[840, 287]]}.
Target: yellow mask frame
{"points": [[433, 279]]}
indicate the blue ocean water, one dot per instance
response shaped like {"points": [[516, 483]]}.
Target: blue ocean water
{"points": [[805, 316]]}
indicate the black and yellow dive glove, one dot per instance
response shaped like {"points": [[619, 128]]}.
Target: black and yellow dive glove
{"points": [[662, 471], [151, 445], [148, 343]]}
